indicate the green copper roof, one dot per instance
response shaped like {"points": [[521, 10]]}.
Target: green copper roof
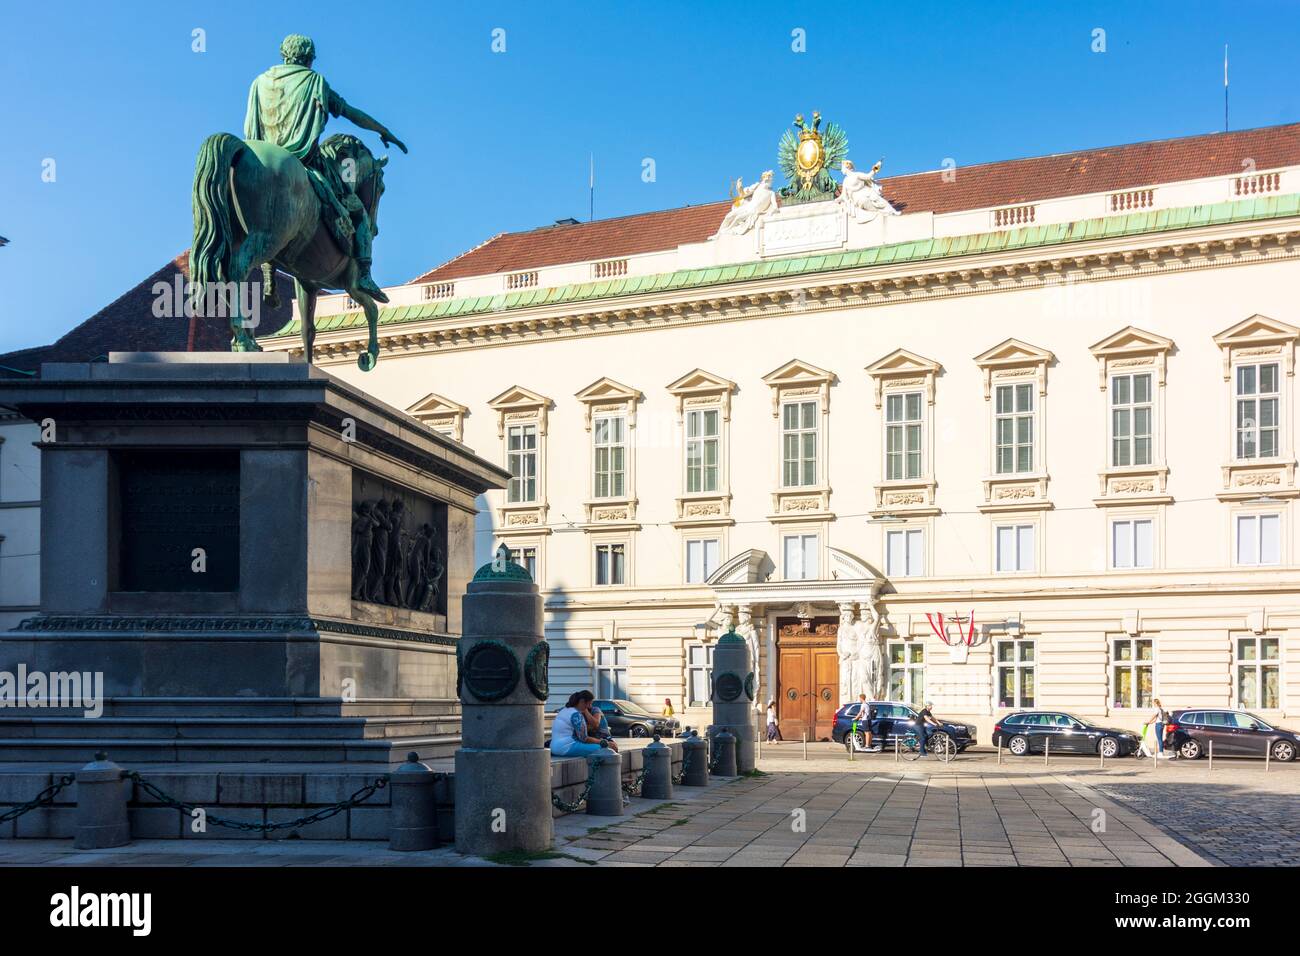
{"points": [[502, 569], [1108, 227]]}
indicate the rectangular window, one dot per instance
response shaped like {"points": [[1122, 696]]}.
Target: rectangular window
{"points": [[801, 552], [702, 450], [1257, 411], [1258, 674], [699, 674], [527, 559], [701, 559], [1130, 420], [521, 456], [1014, 424], [611, 563], [1016, 673], [905, 553], [610, 446], [1130, 543], [903, 424], [1132, 673], [1259, 539], [907, 672], [611, 672], [799, 444], [1015, 547]]}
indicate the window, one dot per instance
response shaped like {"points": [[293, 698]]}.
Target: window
{"points": [[905, 553], [611, 564], [527, 559], [1130, 420], [1016, 673], [800, 557], [702, 444], [1014, 424], [1258, 660], [701, 559], [521, 457], [907, 672], [611, 672], [903, 423], [1257, 411], [1015, 547], [799, 444], [699, 675], [609, 435], [1132, 673], [1130, 543], [1259, 539]]}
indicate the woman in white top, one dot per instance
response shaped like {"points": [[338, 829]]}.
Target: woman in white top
{"points": [[1160, 719], [570, 734], [773, 729]]}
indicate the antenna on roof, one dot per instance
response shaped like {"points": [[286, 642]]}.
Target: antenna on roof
{"points": [[591, 187], [1225, 87]]}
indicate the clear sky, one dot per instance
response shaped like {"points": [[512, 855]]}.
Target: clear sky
{"points": [[114, 94]]}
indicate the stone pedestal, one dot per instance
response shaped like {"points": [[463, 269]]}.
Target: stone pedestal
{"points": [[209, 549], [503, 771], [733, 695]]}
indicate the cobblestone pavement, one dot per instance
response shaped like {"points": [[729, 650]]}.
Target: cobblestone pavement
{"points": [[828, 811]]}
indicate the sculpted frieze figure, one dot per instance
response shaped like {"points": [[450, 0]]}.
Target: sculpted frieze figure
{"points": [[860, 193], [756, 201], [392, 565]]}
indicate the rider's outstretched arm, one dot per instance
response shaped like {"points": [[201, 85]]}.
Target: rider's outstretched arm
{"points": [[366, 121]]}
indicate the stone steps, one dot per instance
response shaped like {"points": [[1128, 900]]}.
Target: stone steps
{"points": [[252, 707], [125, 750], [248, 728]]}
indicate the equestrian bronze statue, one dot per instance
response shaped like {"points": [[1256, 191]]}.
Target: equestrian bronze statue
{"points": [[282, 199]]}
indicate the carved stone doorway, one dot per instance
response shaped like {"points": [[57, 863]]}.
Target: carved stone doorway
{"points": [[808, 677]]}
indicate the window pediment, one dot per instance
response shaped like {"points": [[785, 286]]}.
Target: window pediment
{"points": [[795, 378], [1013, 358], [518, 402], [903, 368], [1131, 347], [698, 387], [1258, 337], [441, 414], [605, 394]]}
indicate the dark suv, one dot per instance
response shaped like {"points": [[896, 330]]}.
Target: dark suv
{"points": [[627, 719], [896, 721], [1235, 733], [1030, 732]]}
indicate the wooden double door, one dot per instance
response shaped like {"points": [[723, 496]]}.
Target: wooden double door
{"points": [[808, 678]]}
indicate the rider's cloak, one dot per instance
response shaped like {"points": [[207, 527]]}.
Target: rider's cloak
{"points": [[289, 105]]}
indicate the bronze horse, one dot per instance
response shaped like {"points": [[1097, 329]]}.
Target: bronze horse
{"points": [[253, 204]]}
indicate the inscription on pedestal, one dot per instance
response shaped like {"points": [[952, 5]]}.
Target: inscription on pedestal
{"points": [[170, 505]]}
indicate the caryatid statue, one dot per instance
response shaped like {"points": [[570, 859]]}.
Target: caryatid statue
{"points": [[873, 651], [846, 648], [861, 195]]}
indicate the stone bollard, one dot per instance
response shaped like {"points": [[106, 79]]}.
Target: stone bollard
{"points": [[657, 784], [733, 695], [102, 795], [695, 762], [413, 812], [503, 771], [724, 764], [605, 799]]}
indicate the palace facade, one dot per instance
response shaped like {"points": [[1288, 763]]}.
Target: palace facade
{"points": [[1056, 394]]}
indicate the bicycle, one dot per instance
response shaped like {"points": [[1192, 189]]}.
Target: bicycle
{"points": [[939, 744]]}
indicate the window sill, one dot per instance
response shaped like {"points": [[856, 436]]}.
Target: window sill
{"points": [[522, 518], [703, 509], [809, 503], [906, 497], [1026, 491], [1256, 477], [610, 514]]}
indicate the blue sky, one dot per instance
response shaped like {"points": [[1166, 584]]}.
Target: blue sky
{"points": [[114, 94]]}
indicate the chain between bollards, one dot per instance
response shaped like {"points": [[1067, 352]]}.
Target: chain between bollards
{"points": [[42, 799]]}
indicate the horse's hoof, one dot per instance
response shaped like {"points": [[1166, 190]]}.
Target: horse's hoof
{"points": [[367, 361]]}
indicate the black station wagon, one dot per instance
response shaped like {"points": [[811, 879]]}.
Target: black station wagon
{"points": [[1035, 731]]}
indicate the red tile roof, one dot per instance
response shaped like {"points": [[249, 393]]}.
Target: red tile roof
{"points": [[128, 325], [1111, 168]]}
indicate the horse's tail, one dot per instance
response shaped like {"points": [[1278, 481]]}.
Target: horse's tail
{"points": [[211, 250]]}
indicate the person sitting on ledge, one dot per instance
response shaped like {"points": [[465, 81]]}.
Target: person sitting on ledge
{"points": [[599, 726], [571, 735]]}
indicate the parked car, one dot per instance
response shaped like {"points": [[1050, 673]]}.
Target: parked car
{"points": [[1028, 732], [895, 722], [1235, 733], [627, 719]]}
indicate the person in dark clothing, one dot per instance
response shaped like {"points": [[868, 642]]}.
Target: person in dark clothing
{"points": [[924, 719]]}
